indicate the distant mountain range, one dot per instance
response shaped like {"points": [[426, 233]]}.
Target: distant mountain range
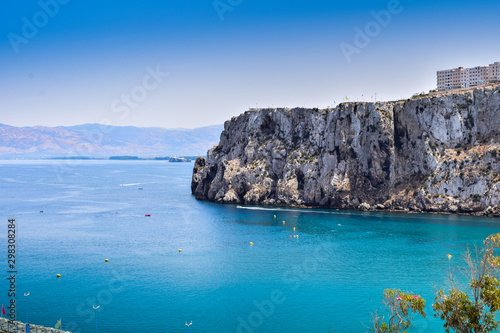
{"points": [[95, 140]]}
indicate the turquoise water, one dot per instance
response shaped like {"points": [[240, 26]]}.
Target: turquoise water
{"points": [[330, 277]]}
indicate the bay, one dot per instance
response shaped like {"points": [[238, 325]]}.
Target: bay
{"points": [[330, 277]]}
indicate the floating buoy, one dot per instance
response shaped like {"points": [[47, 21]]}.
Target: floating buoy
{"points": [[58, 275], [106, 260], [180, 250], [274, 216], [449, 256], [339, 224], [251, 243], [293, 228], [290, 236], [283, 222]]}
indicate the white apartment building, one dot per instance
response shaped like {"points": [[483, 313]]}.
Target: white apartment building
{"points": [[467, 77], [461, 77], [445, 79], [494, 72], [478, 75]]}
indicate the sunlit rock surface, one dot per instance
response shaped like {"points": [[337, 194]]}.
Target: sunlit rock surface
{"points": [[438, 154]]}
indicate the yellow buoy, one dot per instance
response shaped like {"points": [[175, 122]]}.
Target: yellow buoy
{"points": [[274, 216], [106, 260], [180, 250], [283, 222], [251, 243], [449, 256], [293, 228], [58, 275]]}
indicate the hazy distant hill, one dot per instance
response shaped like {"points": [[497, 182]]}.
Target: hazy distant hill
{"points": [[94, 140]]}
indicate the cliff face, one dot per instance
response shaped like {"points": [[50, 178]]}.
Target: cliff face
{"points": [[428, 154]]}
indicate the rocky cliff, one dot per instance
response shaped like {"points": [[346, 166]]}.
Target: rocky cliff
{"points": [[437, 154]]}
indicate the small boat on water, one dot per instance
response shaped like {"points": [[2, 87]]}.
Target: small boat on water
{"points": [[148, 214]]}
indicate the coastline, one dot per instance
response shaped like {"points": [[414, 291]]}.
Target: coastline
{"points": [[8, 326], [482, 213], [428, 154]]}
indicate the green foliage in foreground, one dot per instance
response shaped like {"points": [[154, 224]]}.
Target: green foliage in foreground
{"points": [[398, 309], [469, 309], [473, 310]]}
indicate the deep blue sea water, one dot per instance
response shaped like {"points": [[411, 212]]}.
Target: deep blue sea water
{"points": [[329, 278]]}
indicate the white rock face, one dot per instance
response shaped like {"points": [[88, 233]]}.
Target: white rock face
{"points": [[427, 154]]}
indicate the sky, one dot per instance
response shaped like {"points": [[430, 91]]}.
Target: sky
{"points": [[194, 63]]}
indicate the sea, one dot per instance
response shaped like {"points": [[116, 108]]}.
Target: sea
{"points": [[196, 266]]}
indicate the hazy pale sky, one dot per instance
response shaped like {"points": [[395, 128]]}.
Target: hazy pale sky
{"points": [[192, 63]]}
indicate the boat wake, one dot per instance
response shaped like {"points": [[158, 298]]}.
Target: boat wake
{"points": [[298, 210]]}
